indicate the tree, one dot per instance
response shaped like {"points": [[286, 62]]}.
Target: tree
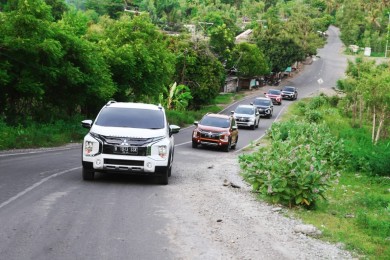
{"points": [[141, 64], [44, 60], [222, 42], [249, 60], [201, 71]]}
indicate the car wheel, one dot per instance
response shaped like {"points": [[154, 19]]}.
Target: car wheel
{"points": [[257, 125], [296, 96], [88, 174], [227, 147], [194, 144], [253, 126], [235, 144], [269, 115], [163, 178]]}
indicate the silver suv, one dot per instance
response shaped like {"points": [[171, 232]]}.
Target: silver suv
{"points": [[247, 116], [131, 138]]}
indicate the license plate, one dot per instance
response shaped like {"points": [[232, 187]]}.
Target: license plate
{"points": [[126, 149]]}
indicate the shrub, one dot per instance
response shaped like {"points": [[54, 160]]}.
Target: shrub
{"points": [[296, 170], [313, 116]]}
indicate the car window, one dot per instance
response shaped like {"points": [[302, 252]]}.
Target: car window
{"points": [[261, 102], [131, 117], [274, 91], [244, 110], [290, 89], [215, 121]]}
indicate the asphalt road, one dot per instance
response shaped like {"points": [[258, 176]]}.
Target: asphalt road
{"points": [[48, 212]]}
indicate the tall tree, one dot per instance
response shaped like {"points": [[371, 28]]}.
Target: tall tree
{"points": [[137, 53]]}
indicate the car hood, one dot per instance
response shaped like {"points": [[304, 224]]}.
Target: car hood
{"points": [[212, 128], [287, 92], [273, 95], [127, 132], [263, 106]]}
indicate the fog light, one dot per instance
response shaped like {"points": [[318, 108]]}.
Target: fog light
{"points": [[98, 162], [149, 165]]}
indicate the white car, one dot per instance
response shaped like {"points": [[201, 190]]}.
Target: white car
{"points": [[131, 138], [247, 116]]}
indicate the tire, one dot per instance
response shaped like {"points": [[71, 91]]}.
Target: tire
{"points": [[270, 115], [88, 174], [257, 126], [194, 144], [164, 177], [253, 126], [227, 147]]}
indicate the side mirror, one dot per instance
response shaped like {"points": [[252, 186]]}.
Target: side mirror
{"points": [[196, 123], [174, 129], [251, 103], [234, 127], [232, 112], [86, 123]]}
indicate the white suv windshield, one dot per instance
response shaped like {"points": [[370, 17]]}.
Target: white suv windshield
{"points": [[131, 117]]}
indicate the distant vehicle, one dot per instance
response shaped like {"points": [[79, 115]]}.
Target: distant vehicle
{"points": [[216, 130], [129, 138], [275, 95], [289, 92], [264, 106], [247, 116]]}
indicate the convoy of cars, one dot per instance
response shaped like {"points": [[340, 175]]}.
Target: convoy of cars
{"points": [[220, 130]]}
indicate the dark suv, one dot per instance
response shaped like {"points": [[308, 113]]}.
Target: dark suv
{"points": [[216, 130], [130, 138], [264, 106], [289, 92]]}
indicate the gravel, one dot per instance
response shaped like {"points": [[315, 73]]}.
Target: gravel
{"points": [[220, 218]]}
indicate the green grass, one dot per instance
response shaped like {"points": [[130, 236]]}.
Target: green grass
{"points": [[41, 135], [356, 213]]}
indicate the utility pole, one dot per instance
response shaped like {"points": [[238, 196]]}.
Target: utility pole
{"points": [[387, 37]]}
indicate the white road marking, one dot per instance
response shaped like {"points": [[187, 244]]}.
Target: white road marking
{"points": [[5, 203]]}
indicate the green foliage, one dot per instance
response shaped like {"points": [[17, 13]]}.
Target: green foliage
{"points": [[297, 169], [176, 97], [222, 42], [201, 71], [356, 213], [41, 135], [249, 60], [364, 23]]}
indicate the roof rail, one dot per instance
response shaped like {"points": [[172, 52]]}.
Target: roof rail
{"points": [[110, 102]]}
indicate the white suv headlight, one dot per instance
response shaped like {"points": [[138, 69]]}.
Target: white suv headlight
{"points": [[162, 151], [91, 146]]}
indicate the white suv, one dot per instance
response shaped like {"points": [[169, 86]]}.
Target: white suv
{"points": [[129, 137]]}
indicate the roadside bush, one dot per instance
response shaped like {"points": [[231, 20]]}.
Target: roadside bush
{"points": [[313, 116], [301, 107], [296, 170], [317, 102]]}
